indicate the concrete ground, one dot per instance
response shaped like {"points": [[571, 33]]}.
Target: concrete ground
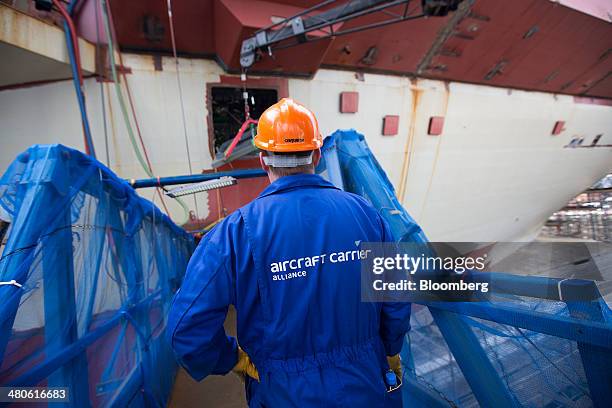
{"points": [[215, 391]]}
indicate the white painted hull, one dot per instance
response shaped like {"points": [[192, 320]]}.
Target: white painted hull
{"points": [[495, 173]]}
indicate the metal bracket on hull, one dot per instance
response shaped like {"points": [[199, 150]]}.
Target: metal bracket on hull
{"points": [[327, 23]]}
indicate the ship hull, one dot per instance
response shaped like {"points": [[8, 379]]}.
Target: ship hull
{"points": [[495, 171]]}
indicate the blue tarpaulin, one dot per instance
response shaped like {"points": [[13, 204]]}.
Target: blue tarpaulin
{"points": [[513, 350], [89, 269]]}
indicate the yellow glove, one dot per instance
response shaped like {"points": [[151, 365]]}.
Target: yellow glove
{"points": [[395, 364], [245, 366]]}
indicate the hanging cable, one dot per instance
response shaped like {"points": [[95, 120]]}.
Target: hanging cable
{"points": [[74, 39], [72, 44], [245, 95], [102, 100], [111, 117], [111, 36], [180, 90], [248, 122], [71, 6], [103, 103], [133, 110], [127, 89], [111, 52]]}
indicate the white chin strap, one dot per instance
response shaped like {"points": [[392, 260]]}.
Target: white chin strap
{"points": [[286, 160]]}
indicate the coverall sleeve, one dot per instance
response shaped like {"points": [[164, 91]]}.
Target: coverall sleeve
{"points": [[195, 322], [395, 316]]}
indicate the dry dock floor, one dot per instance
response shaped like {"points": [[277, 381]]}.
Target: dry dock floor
{"points": [[215, 391]]}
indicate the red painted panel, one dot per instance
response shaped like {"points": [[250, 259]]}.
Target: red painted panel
{"points": [[228, 34], [593, 75], [193, 25], [559, 127], [478, 39], [527, 44], [593, 101], [303, 60], [390, 125], [399, 47], [436, 125], [349, 102], [236, 20], [530, 45], [258, 13]]}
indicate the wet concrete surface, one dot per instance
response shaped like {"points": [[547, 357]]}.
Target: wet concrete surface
{"points": [[215, 391]]}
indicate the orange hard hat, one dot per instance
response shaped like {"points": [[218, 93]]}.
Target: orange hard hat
{"points": [[287, 126]]}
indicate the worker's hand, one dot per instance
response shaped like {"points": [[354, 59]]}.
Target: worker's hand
{"points": [[395, 364], [245, 366]]}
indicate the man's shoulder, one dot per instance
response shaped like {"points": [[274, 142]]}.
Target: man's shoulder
{"points": [[223, 225], [337, 192], [359, 200]]}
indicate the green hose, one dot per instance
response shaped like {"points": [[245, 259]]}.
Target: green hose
{"points": [[126, 118]]}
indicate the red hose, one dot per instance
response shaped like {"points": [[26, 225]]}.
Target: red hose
{"points": [[75, 39], [238, 136]]}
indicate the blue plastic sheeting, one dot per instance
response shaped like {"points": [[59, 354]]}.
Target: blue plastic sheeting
{"points": [[514, 350], [350, 165], [95, 267]]}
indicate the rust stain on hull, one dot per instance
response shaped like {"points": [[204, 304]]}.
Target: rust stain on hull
{"points": [[416, 96], [437, 154]]}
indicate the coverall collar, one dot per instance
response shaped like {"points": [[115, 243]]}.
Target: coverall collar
{"points": [[296, 181]]}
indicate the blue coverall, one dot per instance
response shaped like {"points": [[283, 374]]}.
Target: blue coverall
{"points": [[299, 313]]}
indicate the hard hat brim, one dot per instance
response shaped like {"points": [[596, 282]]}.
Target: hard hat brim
{"points": [[288, 147]]}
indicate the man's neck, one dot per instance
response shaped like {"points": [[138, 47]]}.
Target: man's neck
{"points": [[273, 177]]}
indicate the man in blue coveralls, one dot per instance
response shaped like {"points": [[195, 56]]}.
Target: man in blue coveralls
{"points": [[289, 262]]}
